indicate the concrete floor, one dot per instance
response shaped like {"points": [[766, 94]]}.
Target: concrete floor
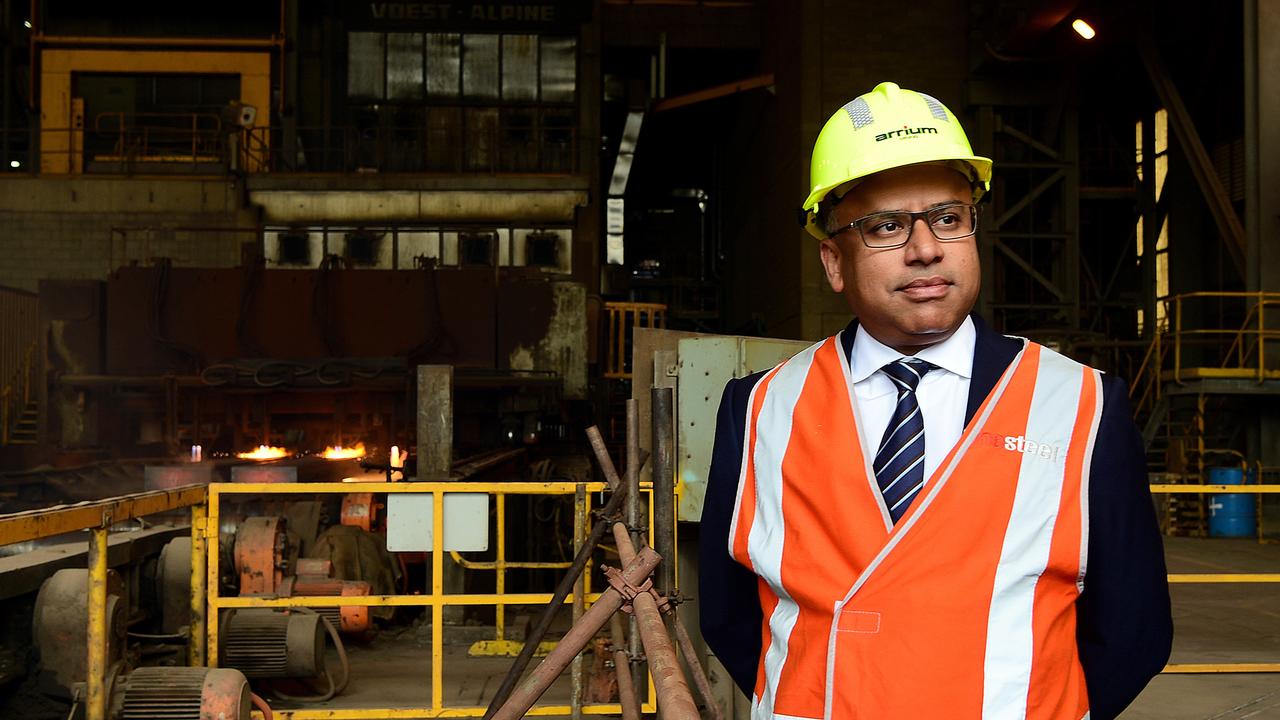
{"points": [[1219, 623], [1213, 623]]}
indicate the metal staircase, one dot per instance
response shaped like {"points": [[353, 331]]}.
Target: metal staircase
{"points": [[1194, 390], [19, 412]]}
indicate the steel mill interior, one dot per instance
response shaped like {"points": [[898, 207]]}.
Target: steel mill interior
{"points": [[363, 359]]}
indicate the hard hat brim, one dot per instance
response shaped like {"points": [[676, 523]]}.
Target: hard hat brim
{"points": [[981, 167]]}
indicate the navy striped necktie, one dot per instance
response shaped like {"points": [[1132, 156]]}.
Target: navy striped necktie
{"points": [[899, 464]]}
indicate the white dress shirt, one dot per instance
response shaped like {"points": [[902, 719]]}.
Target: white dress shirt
{"points": [[943, 393]]}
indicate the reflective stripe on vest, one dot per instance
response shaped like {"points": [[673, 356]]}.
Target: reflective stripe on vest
{"points": [[965, 609]]}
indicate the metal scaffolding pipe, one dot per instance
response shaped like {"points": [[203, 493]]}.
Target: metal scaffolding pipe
{"points": [[664, 490], [633, 522], [622, 669], [674, 700], [579, 591], [540, 628], [576, 639], [695, 667]]}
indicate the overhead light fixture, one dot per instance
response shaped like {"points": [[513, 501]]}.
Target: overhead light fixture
{"points": [[1083, 29], [26, 24], [15, 164]]}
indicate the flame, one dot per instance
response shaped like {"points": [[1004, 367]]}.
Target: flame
{"points": [[337, 452], [264, 452]]}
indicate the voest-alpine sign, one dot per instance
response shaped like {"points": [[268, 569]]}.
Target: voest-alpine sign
{"points": [[532, 17]]}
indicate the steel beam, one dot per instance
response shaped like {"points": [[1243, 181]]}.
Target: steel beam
{"points": [[1197, 157], [47, 522]]}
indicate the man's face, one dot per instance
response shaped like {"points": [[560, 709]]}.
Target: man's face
{"points": [[914, 296]]}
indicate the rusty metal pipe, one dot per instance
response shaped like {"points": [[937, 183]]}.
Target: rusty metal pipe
{"points": [[674, 700], [633, 522], [626, 552], [575, 640], [580, 561], [699, 674], [622, 668], [579, 590], [664, 491]]}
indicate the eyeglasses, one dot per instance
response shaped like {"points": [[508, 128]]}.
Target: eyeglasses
{"points": [[886, 230]]}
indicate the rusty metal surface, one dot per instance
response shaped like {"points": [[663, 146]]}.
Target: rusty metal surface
{"points": [[699, 673], [167, 477], [358, 509], [259, 555], [194, 693], [542, 327], [71, 324], [674, 700], [60, 624], [622, 669], [174, 319], [173, 584]]}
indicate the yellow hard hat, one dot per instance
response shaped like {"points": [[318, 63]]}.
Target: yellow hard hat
{"points": [[886, 128]]}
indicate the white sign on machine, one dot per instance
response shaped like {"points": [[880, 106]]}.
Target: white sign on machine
{"points": [[411, 522]]}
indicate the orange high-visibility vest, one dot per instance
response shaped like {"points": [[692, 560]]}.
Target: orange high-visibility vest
{"points": [[965, 608]]}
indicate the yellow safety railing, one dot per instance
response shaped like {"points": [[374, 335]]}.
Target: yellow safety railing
{"points": [[1240, 349], [437, 599], [98, 517], [623, 318], [500, 645], [1183, 578]]}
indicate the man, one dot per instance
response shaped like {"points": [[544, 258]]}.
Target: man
{"points": [[919, 517]]}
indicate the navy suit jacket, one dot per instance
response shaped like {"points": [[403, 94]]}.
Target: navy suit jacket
{"points": [[1124, 625]]}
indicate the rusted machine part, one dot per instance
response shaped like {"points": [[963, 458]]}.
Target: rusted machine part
{"points": [[173, 585], [183, 693], [358, 509], [674, 699], [622, 668], [60, 624], [263, 643], [259, 555], [314, 566], [575, 640], [567, 581], [350, 619]]}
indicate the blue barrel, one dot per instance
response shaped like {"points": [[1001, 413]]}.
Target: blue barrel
{"points": [[1233, 515]]}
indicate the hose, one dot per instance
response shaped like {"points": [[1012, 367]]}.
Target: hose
{"points": [[262, 706], [334, 688]]}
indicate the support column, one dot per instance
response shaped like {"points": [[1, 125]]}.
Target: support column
{"points": [[435, 421]]}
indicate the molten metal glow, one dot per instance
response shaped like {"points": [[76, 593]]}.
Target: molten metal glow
{"points": [[1083, 29], [264, 452], [337, 452]]}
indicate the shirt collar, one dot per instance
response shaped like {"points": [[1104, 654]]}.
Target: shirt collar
{"points": [[955, 354]]}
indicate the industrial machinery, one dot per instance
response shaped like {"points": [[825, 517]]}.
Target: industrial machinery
{"points": [[181, 693], [60, 622]]}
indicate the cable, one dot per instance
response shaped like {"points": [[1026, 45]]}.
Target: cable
{"points": [[334, 688], [262, 706]]}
